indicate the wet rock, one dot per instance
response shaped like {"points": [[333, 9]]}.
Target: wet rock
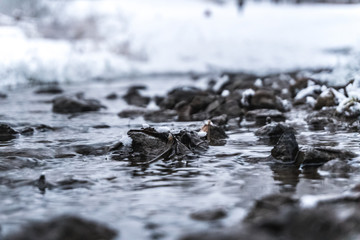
{"points": [[209, 215], [93, 150], [112, 96], [263, 99], [75, 104], [132, 113], [273, 131], [177, 95], [44, 128], [101, 126], [72, 183], [270, 206], [28, 131], [42, 184], [215, 135], [220, 120], [160, 116], [238, 81], [31, 153], [286, 149], [339, 166], [149, 145], [133, 97], [7, 133], [260, 116], [320, 120], [64, 227], [326, 99], [281, 217], [17, 162], [51, 89], [3, 95], [321, 155]]}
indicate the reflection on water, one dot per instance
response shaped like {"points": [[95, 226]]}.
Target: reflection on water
{"points": [[130, 197]]}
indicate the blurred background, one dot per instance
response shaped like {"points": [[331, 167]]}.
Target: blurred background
{"points": [[81, 40]]}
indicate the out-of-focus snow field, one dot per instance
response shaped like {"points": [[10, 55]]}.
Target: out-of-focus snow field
{"points": [[82, 40]]}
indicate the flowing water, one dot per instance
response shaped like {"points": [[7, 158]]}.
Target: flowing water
{"points": [[144, 203]]}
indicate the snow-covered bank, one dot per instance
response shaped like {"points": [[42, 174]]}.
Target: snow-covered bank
{"points": [[109, 39]]}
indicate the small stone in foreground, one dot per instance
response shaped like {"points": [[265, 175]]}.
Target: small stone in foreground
{"points": [[64, 227]]}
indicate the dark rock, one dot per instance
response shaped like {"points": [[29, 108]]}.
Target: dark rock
{"points": [[215, 135], [149, 146], [3, 95], [286, 149], [94, 150], [320, 123], [44, 128], [17, 162], [273, 131], [7, 133], [133, 113], [270, 206], [75, 104], [160, 116], [220, 120], [72, 183], [209, 215], [238, 81], [260, 116], [339, 166], [300, 84], [42, 184], [28, 131], [52, 89], [112, 96], [281, 217], [133, 97], [326, 99], [100, 126], [64, 227], [263, 99], [321, 155], [178, 95], [31, 153]]}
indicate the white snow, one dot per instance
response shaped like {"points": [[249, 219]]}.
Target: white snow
{"points": [[202, 134], [225, 93], [245, 96], [163, 129], [145, 125], [139, 37], [258, 83], [307, 91]]}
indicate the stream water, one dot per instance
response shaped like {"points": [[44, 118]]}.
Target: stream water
{"points": [[144, 203]]}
